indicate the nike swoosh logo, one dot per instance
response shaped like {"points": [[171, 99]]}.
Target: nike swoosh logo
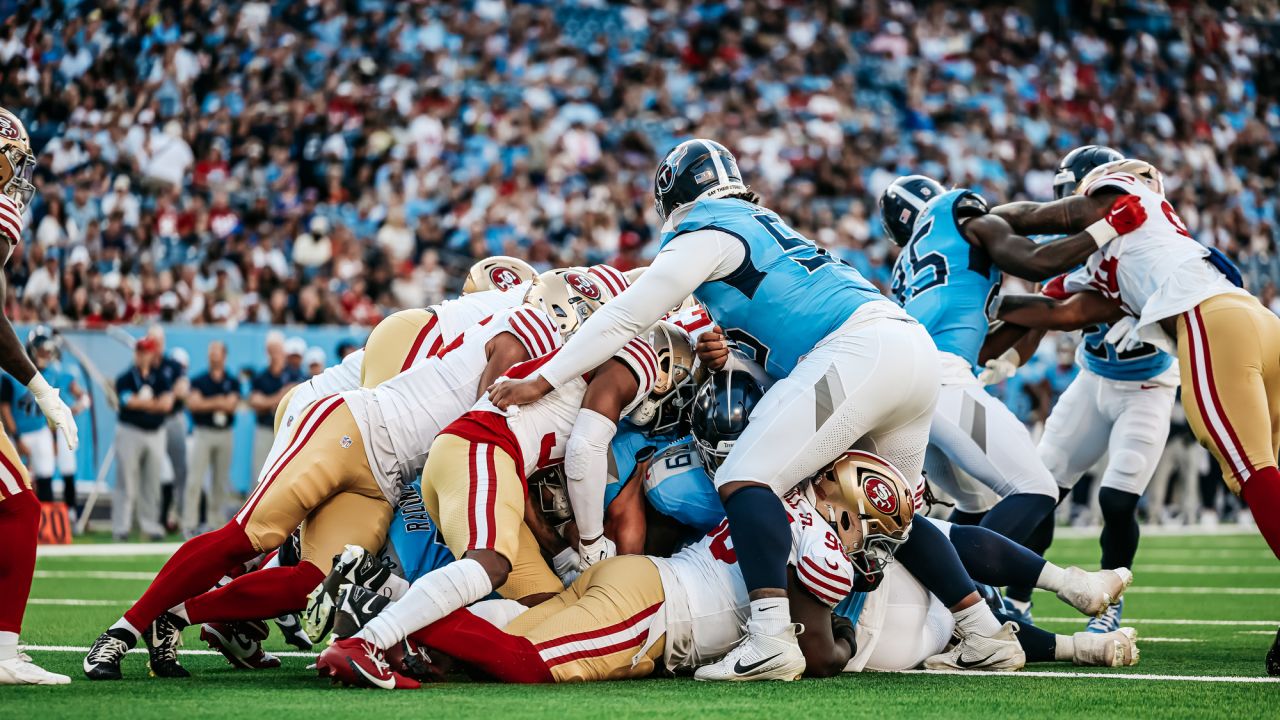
{"points": [[741, 669], [968, 664], [384, 683], [1148, 387], [367, 607]]}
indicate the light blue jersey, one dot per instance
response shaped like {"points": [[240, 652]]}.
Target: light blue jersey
{"points": [[27, 415], [676, 485], [414, 544], [787, 295], [946, 282], [1103, 359], [67, 375]]}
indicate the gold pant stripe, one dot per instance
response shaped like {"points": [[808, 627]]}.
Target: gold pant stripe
{"points": [[13, 474], [396, 343]]}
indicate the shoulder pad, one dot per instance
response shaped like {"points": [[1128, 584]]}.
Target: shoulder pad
{"points": [[970, 204]]}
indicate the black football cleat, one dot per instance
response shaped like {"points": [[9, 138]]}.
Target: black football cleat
{"points": [[291, 628], [1273, 657], [163, 638], [103, 660], [355, 607]]}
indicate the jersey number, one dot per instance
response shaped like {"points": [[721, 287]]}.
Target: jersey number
{"points": [[809, 256], [720, 548], [749, 345], [917, 265]]}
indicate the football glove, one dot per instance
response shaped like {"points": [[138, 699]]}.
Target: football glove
{"points": [[1125, 216], [842, 627], [590, 553], [997, 370], [1124, 334], [565, 563], [55, 411]]}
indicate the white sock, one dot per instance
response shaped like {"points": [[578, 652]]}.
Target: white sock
{"points": [[123, 624], [977, 619], [769, 616], [1051, 577], [429, 599], [1065, 648], [181, 611], [8, 645], [395, 587]]}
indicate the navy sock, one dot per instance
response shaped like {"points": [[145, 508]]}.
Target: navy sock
{"points": [[1017, 515], [761, 536], [931, 557], [1039, 645], [994, 559], [1120, 532], [961, 517], [1039, 541]]}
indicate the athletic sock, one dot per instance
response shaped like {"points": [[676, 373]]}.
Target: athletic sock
{"points": [[769, 616], [1262, 494], [761, 536], [394, 587], [1119, 539], [19, 525], [192, 570], [69, 491], [430, 598], [1017, 515], [268, 592], [994, 559], [977, 619], [932, 559], [8, 645], [1065, 648], [476, 642], [1051, 577], [1037, 542]]}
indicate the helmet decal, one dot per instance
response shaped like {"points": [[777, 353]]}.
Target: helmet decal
{"points": [[8, 129], [583, 285], [503, 278], [880, 494], [666, 177]]}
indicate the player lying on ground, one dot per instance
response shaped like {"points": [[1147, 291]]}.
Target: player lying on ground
{"points": [[348, 460]]}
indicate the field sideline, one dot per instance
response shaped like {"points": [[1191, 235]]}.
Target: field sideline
{"points": [[1206, 609]]}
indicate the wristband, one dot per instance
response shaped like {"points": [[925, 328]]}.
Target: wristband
{"points": [[39, 386], [1102, 232]]}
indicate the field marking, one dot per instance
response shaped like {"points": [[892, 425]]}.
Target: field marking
{"points": [[1102, 675], [1169, 640], [95, 574], [1254, 632], [1273, 569], [1172, 590], [1226, 530], [107, 549], [77, 602], [70, 648], [1170, 621]]}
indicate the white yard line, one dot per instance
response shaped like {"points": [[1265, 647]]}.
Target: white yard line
{"points": [[1255, 632], [1168, 640], [1171, 590], [95, 574], [1209, 569], [107, 549], [78, 602], [1103, 675], [184, 651], [1170, 621]]}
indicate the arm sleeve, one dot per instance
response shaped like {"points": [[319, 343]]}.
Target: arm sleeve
{"points": [[685, 263], [586, 466]]}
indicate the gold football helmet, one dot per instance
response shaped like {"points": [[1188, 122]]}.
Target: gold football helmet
{"points": [[568, 296], [499, 272], [677, 381], [1146, 173], [17, 162], [868, 503]]}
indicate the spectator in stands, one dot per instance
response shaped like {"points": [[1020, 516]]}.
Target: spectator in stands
{"points": [[213, 400], [146, 400], [294, 350], [268, 387]]}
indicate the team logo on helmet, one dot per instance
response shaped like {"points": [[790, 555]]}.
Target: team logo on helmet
{"points": [[881, 494], [583, 285], [8, 129], [503, 278], [666, 177]]}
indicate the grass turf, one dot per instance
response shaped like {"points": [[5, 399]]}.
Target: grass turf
{"points": [[1224, 564]]}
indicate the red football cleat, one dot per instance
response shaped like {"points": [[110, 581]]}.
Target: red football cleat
{"points": [[352, 661], [413, 660], [240, 643]]}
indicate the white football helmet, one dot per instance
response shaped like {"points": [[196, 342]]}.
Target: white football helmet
{"points": [[499, 272], [17, 162], [568, 296], [1146, 173]]}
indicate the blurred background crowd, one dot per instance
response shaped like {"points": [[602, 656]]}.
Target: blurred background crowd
{"points": [[326, 162]]}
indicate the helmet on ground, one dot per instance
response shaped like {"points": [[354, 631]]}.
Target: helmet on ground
{"points": [[902, 202], [695, 170], [868, 503], [499, 272], [665, 407], [568, 296], [17, 162], [721, 410], [1078, 163]]}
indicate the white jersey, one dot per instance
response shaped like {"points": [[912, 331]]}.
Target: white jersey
{"points": [[457, 315], [539, 431], [706, 603], [1157, 271], [400, 418]]}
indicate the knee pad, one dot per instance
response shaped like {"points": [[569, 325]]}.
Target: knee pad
{"points": [[1125, 472], [1056, 461]]}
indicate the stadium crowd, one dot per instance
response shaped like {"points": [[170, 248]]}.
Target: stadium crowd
{"points": [[326, 162]]}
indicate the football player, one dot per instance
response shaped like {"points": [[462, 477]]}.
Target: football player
{"points": [[1119, 404], [19, 509], [850, 365], [344, 468], [474, 484], [946, 276]]}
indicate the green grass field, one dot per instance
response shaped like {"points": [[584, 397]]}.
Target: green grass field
{"points": [[1206, 609]]}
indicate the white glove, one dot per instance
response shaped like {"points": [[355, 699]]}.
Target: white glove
{"points": [[1000, 369], [1124, 334], [55, 411], [565, 563], [595, 551]]}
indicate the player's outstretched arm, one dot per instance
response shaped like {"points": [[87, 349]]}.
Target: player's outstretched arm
{"points": [[1080, 310], [1061, 217], [825, 654]]}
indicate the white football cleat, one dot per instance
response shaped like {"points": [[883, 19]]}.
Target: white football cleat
{"points": [[1092, 592], [976, 652], [1118, 648], [759, 657], [21, 671]]}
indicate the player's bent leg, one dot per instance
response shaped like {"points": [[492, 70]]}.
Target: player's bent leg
{"points": [[915, 625], [396, 343], [530, 579]]}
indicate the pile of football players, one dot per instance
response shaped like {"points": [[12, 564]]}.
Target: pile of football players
{"points": [[717, 464]]}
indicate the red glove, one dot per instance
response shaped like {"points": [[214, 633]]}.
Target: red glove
{"points": [[1126, 215]]}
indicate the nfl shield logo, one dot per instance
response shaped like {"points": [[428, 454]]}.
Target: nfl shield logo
{"points": [[346, 441]]}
